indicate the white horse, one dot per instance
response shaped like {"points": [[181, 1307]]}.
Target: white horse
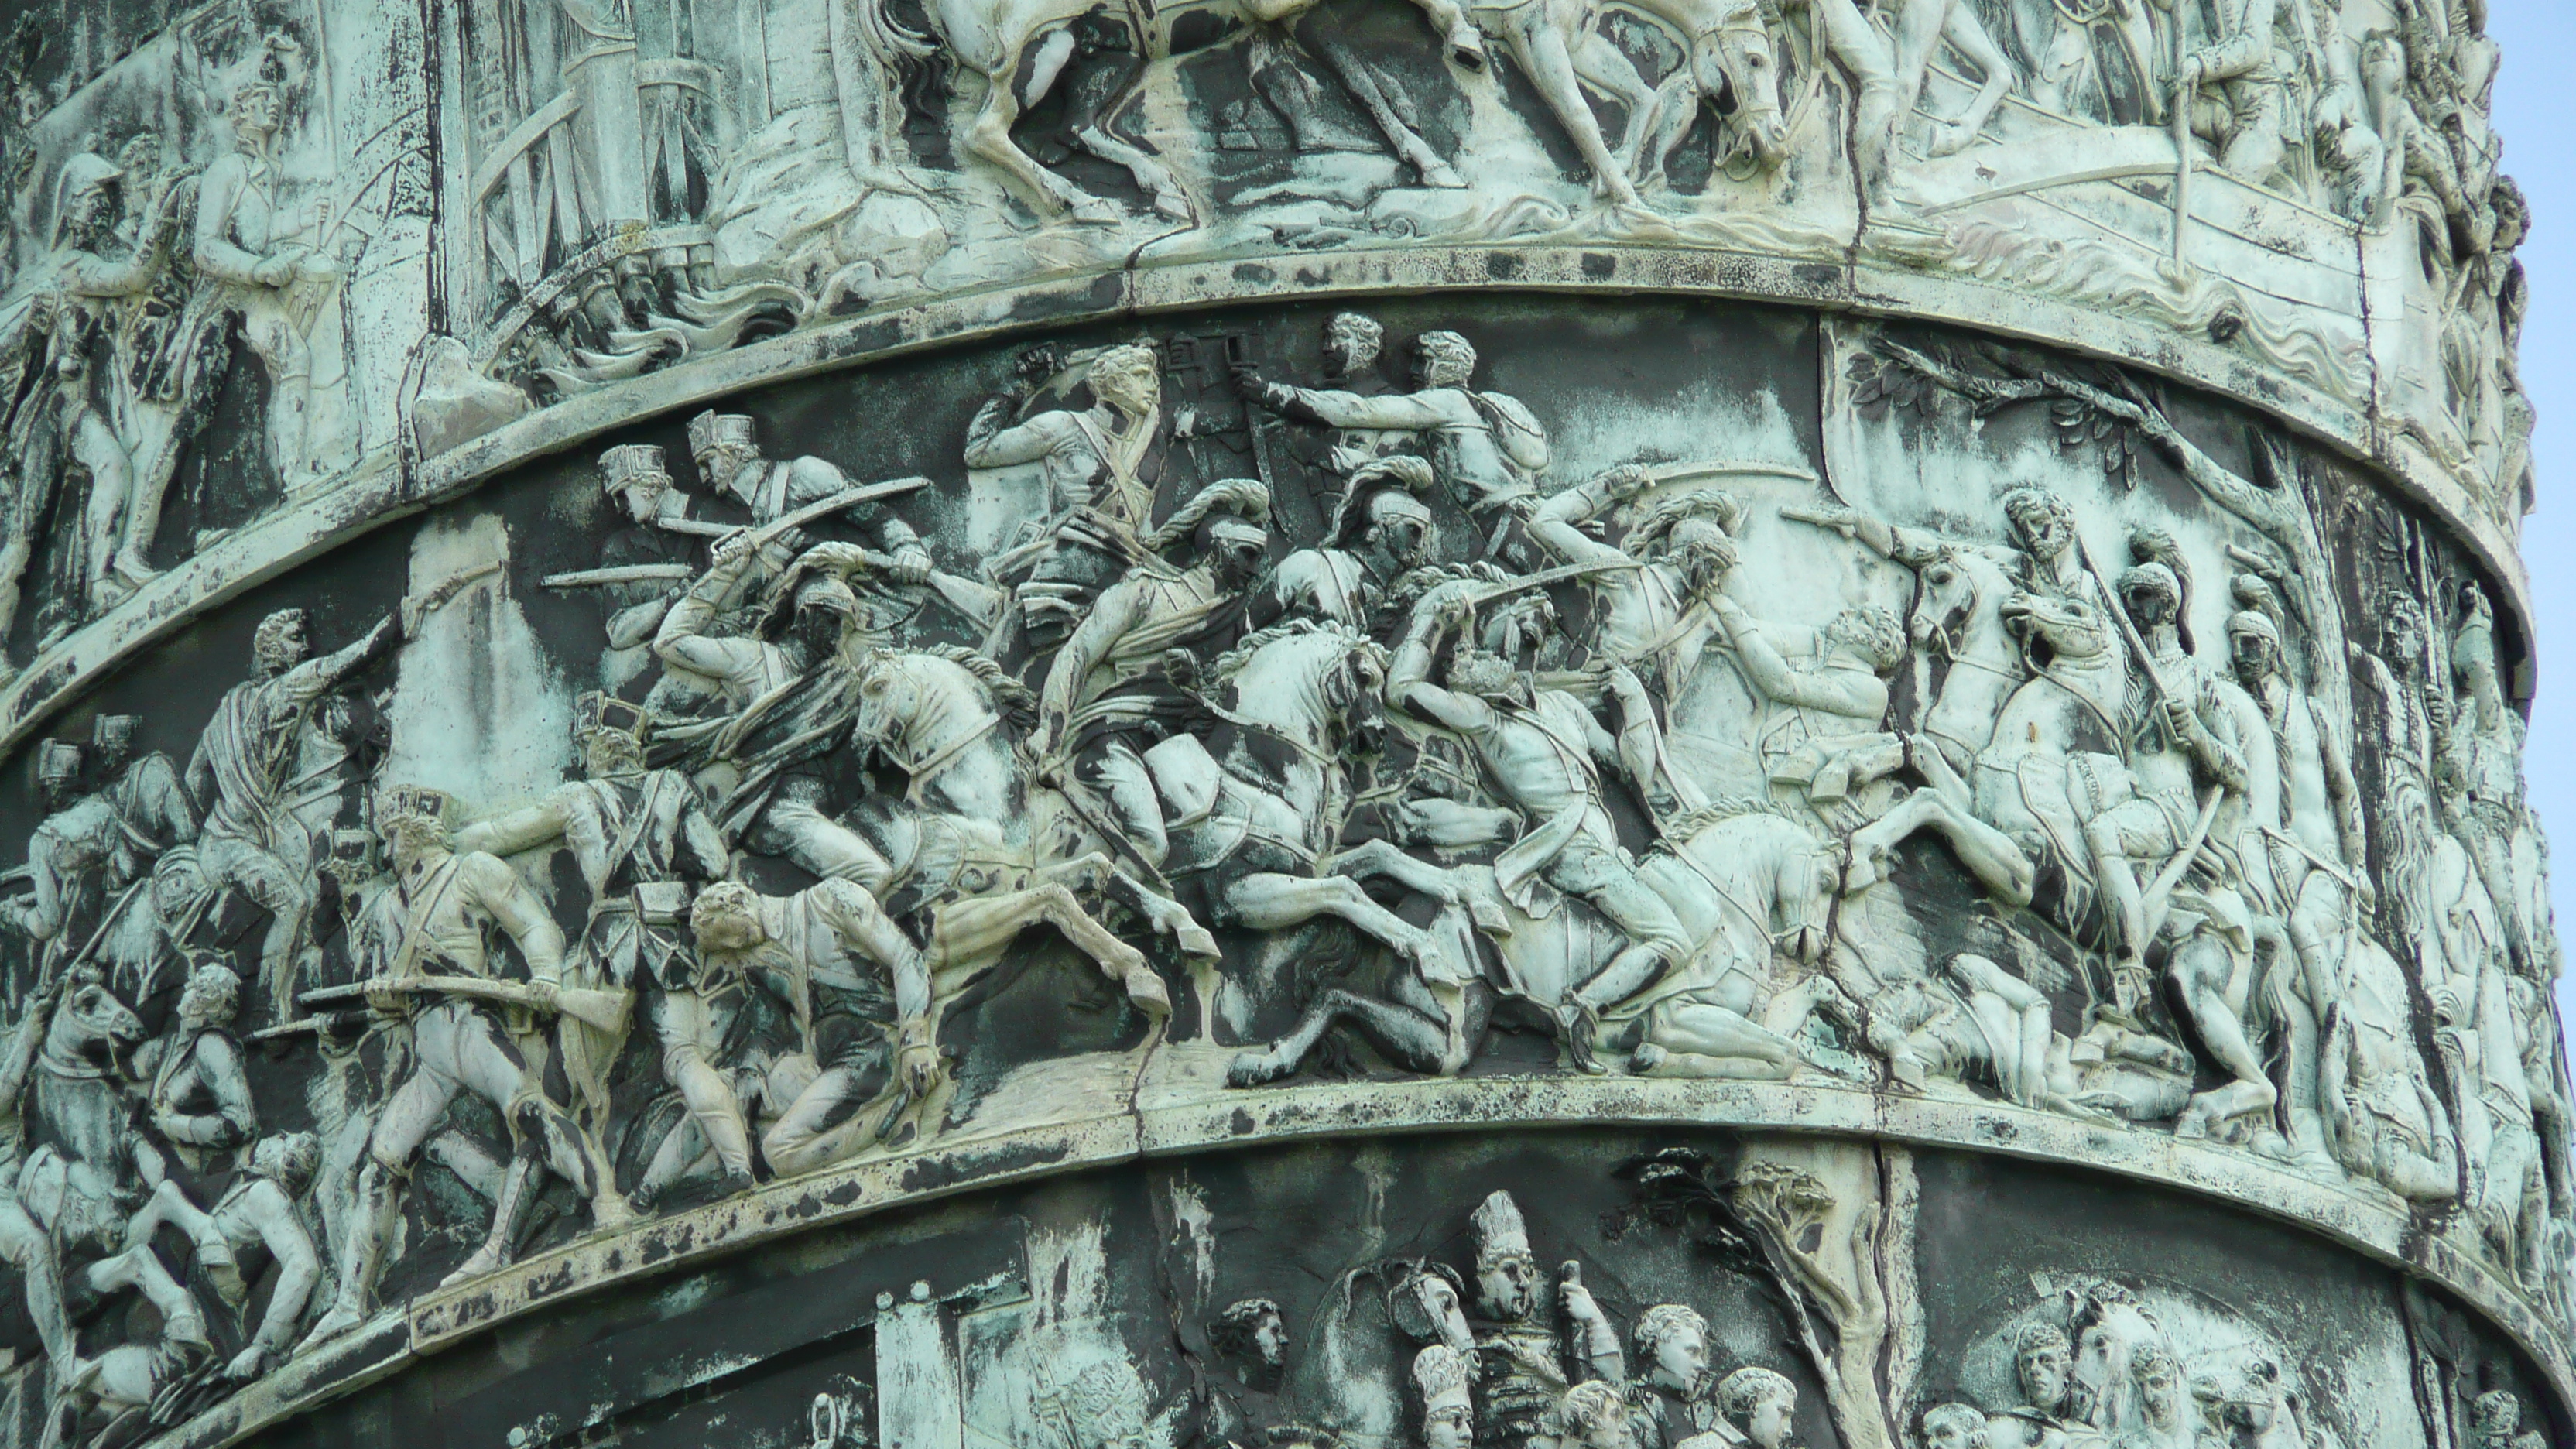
{"points": [[1020, 49], [1748, 886]]}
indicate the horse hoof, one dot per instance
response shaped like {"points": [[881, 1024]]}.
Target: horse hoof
{"points": [[1441, 176], [334, 1323], [484, 1261], [1174, 205], [1648, 1056], [1254, 1069]]}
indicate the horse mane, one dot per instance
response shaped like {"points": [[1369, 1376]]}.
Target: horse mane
{"points": [[1016, 702], [1235, 660], [1720, 811]]}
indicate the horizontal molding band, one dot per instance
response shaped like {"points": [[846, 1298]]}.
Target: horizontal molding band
{"points": [[1168, 1101]]}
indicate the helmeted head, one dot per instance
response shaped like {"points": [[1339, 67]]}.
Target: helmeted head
{"points": [[58, 771], [2253, 645], [1507, 1276], [1671, 1341], [1443, 359], [2041, 522], [1128, 377], [2151, 593], [279, 643], [2043, 1363], [1871, 634], [1760, 1403], [826, 609], [1444, 1379], [1228, 524], [1426, 1305], [1954, 1426], [287, 1159], [722, 444], [1253, 1330], [1694, 531], [212, 994], [611, 733], [1352, 341], [636, 475], [111, 736], [725, 918], [85, 199], [412, 819], [1382, 510]]}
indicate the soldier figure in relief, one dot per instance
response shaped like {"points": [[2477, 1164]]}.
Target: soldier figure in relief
{"points": [[248, 240], [2044, 1370], [256, 839], [1101, 466], [439, 911], [727, 449], [1518, 1368], [257, 1211], [643, 841], [826, 952], [1544, 751], [2180, 751], [1485, 447], [1380, 531]]}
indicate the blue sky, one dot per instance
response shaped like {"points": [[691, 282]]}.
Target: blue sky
{"points": [[2535, 110]]}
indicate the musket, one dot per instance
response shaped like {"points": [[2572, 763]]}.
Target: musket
{"points": [[605, 1010], [326, 1024], [846, 498], [622, 574]]}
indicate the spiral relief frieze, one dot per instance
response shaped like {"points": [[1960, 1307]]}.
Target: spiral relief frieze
{"points": [[910, 722]]}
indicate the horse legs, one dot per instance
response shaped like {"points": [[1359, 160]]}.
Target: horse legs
{"points": [[1603, 64], [1363, 87], [2200, 966], [1961, 27], [1988, 853], [1871, 63], [1543, 44], [1268, 901], [978, 928], [989, 136], [1416, 1040]]}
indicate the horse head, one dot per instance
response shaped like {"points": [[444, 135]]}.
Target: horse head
{"points": [[91, 1025], [1944, 606], [1735, 60], [1316, 683]]}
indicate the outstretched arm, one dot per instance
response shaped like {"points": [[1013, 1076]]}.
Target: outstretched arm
{"points": [[316, 677], [1555, 525], [1393, 413], [520, 830], [683, 641], [1851, 693]]}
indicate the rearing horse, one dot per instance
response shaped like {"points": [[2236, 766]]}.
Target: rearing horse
{"points": [[1021, 47]]}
